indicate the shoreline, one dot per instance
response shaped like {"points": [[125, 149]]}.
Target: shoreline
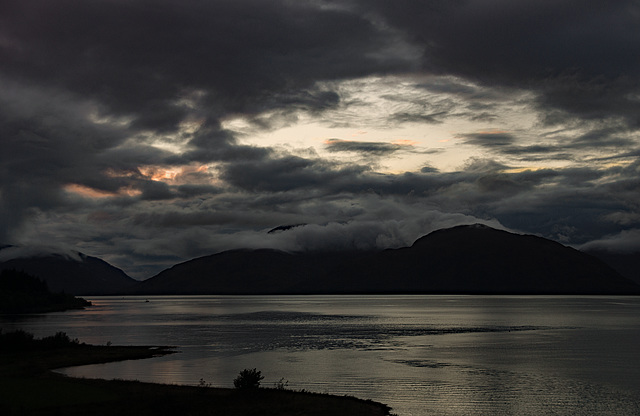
{"points": [[31, 386]]}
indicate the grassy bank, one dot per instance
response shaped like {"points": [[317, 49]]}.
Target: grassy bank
{"points": [[28, 387]]}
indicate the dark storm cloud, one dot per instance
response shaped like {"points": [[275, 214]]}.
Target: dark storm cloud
{"points": [[490, 139], [144, 58], [592, 99], [371, 148], [358, 208], [151, 66], [608, 136], [627, 241], [433, 118], [45, 143], [579, 56], [613, 139], [95, 97], [189, 191], [289, 173], [211, 143], [566, 204], [538, 153]]}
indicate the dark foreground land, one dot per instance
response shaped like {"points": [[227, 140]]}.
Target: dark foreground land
{"points": [[28, 387]]}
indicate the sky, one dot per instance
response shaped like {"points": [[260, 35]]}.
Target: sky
{"points": [[151, 132]]}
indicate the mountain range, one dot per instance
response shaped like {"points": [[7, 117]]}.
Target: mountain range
{"points": [[468, 259], [471, 259]]}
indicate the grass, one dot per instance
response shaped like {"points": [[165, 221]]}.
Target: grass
{"points": [[28, 387]]}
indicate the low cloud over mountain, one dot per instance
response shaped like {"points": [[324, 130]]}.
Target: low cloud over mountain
{"points": [[148, 133], [472, 259]]}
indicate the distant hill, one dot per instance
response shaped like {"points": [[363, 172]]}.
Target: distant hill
{"points": [[473, 259], [77, 275], [627, 264], [263, 271], [23, 293]]}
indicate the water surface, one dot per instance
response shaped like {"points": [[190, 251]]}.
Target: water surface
{"points": [[422, 355]]}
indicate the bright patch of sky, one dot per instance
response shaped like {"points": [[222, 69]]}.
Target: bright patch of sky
{"points": [[146, 133], [427, 117]]}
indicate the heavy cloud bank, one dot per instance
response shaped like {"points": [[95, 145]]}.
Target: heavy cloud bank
{"points": [[115, 135]]}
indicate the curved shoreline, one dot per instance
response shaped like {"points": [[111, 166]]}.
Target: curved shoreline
{"points": [[31, 387]]}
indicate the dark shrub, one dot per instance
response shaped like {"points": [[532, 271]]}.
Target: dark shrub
{"points": [[16, 340], [248, 379], [20, 340], [59, 340]]}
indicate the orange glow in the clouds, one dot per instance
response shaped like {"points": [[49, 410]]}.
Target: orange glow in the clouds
{"points": [[156, 173], [88, 192], [129, 191], [405, 142], [113, 173], [523, 169], [164, 174], [172, 174]]}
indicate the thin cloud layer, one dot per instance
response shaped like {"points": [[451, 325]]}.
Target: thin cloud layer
{"points": [[148, 133]]}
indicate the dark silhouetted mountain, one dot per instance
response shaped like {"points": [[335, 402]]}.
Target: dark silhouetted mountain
{"points": [[627, 264], [23, 293], [465, 259], [480, 259], [84, 275], [244, 271]]}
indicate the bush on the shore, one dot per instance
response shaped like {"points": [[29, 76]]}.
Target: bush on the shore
{"points": [[248, 379]]}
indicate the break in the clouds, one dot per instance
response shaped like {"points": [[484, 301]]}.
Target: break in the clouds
{"points": [[147, 133]]}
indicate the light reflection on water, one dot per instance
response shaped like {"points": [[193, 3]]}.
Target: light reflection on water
{"points": [[422, 355]]}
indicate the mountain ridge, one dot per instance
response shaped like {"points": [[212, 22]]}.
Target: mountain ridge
{"points": [[470, 259], [75, 273], [466, 259]]}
